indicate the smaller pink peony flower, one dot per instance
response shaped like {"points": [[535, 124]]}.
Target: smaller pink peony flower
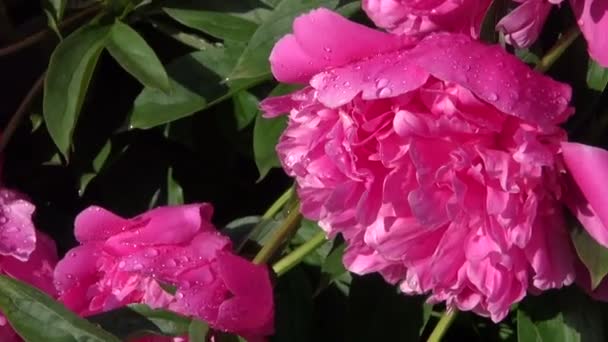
{"points": [[123, 261], [37, 271], [17, 231], [423, 16], [523, 25]]}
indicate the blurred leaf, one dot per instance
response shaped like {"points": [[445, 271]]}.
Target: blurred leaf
{"points": [[69, 73], [496, 11], [334, 268], [132, 52], [37, 317], [597, 76], [254, 60], [139, 319], [175, 193], [591, 253], [250, 10], [271, 3], [527, 56], [238, 230], [98, 163], [54, 10], [197, 332], [381, 313], [198, 81], [217, 24], [266, 133], [294, 308], [349, 9], [245, 108], [566, 315]]}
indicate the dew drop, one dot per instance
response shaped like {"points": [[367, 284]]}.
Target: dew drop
{"points": [[381, 83], [492, 97], [327, 49], [121, 264]]}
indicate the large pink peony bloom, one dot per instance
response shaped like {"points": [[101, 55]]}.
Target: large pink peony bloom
{"points": [[423, 16], [523, 25], [37, 271], [122, 261], [436, 160]]}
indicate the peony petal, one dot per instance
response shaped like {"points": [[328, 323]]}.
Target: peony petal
{"points": [[17, 231], [588, 167], [298, 56], [160, 226], [79, 266], [380, 76], [495, 76], [251, 309], [97, 224], [592, 18], [523, 25]]}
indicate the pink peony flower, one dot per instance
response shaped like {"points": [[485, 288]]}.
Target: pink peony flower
{"points": [[523, 25], [122, 261], [17, 231], [37, 271], [423, 16], [436, 160]]}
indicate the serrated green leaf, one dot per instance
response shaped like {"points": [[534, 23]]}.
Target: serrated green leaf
{"points": [[197, 82], [197, 332], [245, 108], [37, 317], [69, 73], [266, 133], [139, 319], [254, 60], [216, 24], [597, 76], [591, 253], [132, 52]]}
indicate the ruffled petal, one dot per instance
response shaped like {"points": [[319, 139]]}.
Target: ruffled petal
{"points": [[588, 167], [97, 224], [297, 57], [17, 231], [495, 76], [523, 25], [592, 18]]}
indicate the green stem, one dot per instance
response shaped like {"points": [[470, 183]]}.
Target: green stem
{"points": [[293, 259], [442, 326], [558, 49], [278, 204], [289, 225]]}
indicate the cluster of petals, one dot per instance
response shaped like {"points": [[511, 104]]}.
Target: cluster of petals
{"points": [[521, 27], [438, 159], [25, 254], [414, 17], [138, 260]]}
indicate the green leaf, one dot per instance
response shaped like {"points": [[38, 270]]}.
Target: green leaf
{"points": [[175, 193], [69, 73], [139, 319], [254, 60], [591, 253], [217, 24], [37, 317], [197, 82], [266, 133], [308, 229], [271, 3], [54, 10], [245, 108], [98, 163], [566, 315], [350, 9], [132, 52], [597, 76], [381, 313], [197, 332]]}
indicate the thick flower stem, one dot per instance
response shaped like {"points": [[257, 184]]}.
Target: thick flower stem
{"points": [[293, 259], [558, 49], [289, 225], [442, 326]]}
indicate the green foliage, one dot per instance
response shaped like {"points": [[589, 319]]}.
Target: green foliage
{"points": [[593, 255], [37, 317]]}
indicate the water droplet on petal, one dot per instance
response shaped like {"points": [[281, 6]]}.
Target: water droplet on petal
{"points": [[385, 92], [381, 83], [492, 97]]}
